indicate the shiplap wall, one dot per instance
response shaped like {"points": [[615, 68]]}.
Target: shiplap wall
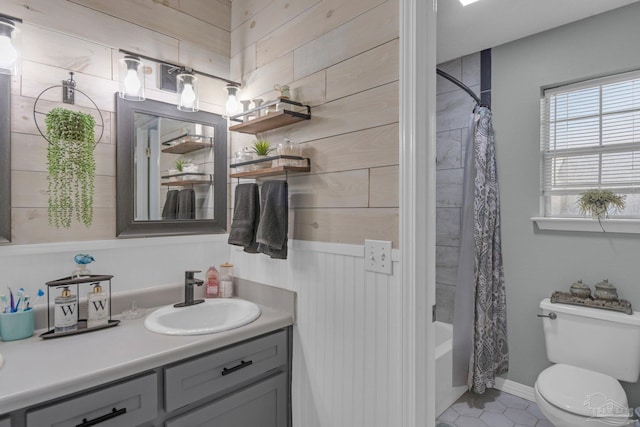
{"points": [[342, 59], [84, 36]]}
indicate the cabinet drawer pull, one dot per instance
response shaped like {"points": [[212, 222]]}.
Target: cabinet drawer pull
{"points": [[115, 413], [242, 364]]}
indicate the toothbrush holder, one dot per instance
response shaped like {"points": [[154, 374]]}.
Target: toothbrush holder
{"points": [[16, 326]]}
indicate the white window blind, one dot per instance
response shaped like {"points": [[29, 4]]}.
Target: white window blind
{"points": [[590, 138]]}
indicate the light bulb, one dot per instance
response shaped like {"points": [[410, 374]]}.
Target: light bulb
{"points": [[8, 53], [188, 96], [232, 106], [132, 82]]}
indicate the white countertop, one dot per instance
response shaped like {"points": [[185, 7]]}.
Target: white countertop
{"points": [[38, 370]]}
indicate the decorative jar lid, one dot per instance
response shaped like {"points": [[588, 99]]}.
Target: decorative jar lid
{"points": [[579, 285], [605, 285]]}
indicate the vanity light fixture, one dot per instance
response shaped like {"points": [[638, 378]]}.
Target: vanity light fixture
{"points": [[185, 82], [131, 78], [9, 45], [187, 90], [467, 2], [232, 106]]}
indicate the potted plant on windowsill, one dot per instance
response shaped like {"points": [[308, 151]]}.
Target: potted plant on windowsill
{"points": [[598, 203], [262, 148]]}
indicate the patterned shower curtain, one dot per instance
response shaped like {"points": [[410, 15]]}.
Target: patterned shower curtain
{"points": [[489, 350]]}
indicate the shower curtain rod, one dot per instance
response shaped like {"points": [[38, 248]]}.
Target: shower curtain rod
{"points": [[460, 85]]}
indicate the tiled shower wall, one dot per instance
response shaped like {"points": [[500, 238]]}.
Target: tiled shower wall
{"points": [[454, 109]]}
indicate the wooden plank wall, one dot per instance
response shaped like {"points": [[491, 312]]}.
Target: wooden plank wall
{"points": [[340, 57], [84, 36]]}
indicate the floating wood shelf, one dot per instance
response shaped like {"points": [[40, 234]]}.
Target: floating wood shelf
{"points": [[277, 170], [187, 182], [289, 112], [186, 147], [269, 122], [187, 143], [271, 171]]}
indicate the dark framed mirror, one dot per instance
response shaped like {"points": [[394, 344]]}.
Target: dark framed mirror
{"points": [[5, 158], [171, 169]]}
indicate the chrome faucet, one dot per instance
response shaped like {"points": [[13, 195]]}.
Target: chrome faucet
{"points": [[189, 282]]}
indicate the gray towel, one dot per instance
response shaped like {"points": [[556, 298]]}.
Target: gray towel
{"points": [[187, 204], [274, 219], [170, 209], [246, 217]]}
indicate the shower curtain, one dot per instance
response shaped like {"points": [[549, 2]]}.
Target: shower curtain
{"points": [[480, 351]]}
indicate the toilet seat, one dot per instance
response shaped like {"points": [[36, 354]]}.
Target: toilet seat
{"points": [[581, 392]]}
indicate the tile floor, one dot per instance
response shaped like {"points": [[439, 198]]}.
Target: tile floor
{"points": [[492, 409]]}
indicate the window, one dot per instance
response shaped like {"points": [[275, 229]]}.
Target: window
{"points": [[590, 138]]}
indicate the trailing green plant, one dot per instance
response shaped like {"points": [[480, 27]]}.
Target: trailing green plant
{"points": [[71, 166], [598, 202], [262, 147]]}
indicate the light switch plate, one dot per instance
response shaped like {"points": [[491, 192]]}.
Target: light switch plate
{"points": [[377, 256]]}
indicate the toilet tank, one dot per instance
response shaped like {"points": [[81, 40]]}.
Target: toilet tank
{"points": [[595, 339]]}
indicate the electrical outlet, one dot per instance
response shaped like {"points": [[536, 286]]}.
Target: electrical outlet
{"points": [[377, 256]]}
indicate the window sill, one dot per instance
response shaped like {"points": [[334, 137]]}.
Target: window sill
{"points": [[629, 226]]}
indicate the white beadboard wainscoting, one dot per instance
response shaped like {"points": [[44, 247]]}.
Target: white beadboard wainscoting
{"points": [[347, 349]]}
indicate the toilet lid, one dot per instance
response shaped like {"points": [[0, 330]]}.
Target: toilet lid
{"points": [[582, 392]]}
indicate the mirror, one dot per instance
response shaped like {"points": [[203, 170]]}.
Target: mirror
{"points": [[170, 170], [5, 158]]}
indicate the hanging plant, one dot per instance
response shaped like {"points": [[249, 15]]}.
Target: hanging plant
{"points": [[71, 167]]}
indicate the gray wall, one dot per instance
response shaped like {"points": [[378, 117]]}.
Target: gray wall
{"points": [[454, 108], [537, 263]]}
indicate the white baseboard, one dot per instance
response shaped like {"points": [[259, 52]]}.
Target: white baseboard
{"points": [[517, 389]]}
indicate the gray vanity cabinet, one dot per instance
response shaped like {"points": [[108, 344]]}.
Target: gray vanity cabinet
{"points": [[261, 405], [247, 384], [208, 375], [129, 403]]}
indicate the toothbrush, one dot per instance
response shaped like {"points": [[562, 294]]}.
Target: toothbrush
{"points": [[26, 302], [35, 301], [19, 295], [3, 300], [11, 301]]}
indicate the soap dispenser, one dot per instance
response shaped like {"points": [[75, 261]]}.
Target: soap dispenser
{"points": [[213, 283], [65, 313], [98, 302]]}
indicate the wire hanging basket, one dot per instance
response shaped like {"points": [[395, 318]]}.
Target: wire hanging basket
{"points": [[68, 97]]}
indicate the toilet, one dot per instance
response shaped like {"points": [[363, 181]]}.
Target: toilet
{"points": [[591, 350]]}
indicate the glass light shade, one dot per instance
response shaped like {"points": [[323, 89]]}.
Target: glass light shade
{"points": [[187, 89], [9, 47], [131, 78], [232, 106]]}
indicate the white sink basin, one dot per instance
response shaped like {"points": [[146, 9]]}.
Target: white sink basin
{"points": [[211, 316]]}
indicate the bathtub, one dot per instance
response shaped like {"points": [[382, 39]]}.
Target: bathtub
{"points": [[446, 394]]}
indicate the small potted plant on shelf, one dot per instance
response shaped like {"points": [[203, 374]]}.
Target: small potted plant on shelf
{"points": [[597, 203], [180, 163], [262, 148]]}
